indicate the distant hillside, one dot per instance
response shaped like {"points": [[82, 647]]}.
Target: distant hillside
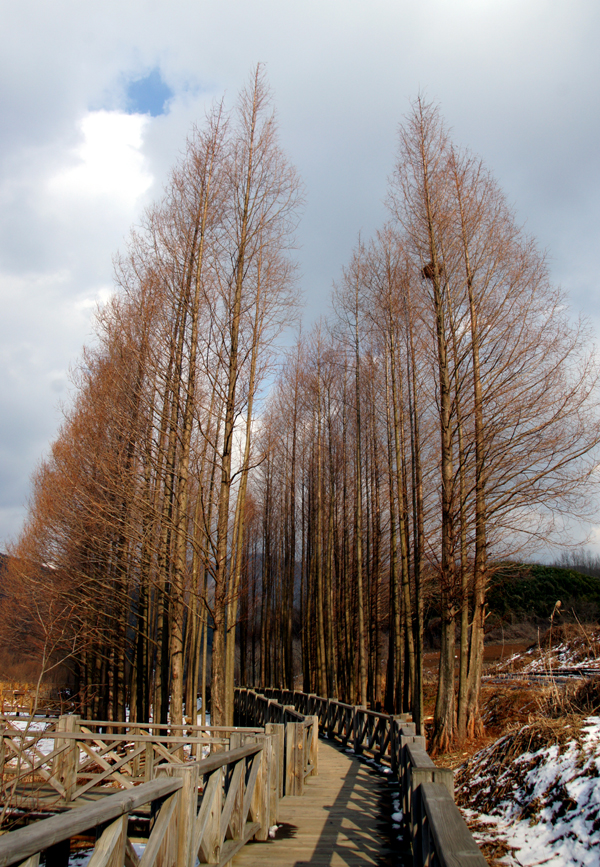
{"points": [[525, 591]]}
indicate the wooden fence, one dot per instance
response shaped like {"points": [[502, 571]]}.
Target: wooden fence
{"points": [[439, 835], [202, 812], [68, 757], [203, 809], [22, 698], [297, 735]]}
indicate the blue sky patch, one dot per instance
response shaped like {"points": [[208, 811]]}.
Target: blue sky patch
{"points": [[148, 95]]}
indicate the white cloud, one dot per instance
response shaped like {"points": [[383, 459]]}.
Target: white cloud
{"points": [[108, 163], [519, 84]]}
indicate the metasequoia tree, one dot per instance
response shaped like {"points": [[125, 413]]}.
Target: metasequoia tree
{"points": [[446, 418], [515, 391], [260, 221], [153, 511], [457, 361]]}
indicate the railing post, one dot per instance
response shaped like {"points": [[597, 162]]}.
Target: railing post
{"points": [[424, 845], [313, 755], [294, 770], [395, 745], [149, 763], [186, 810], [67, 763], [277, 731], [356, 732], [329, 723], [263, 804]]}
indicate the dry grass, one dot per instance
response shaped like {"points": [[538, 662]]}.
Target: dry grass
{"points": [[492, 775], [583, 640], [507, 705], [581, 697]]}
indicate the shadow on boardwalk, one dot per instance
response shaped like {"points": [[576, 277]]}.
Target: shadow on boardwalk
{"points": [[343, 818]]}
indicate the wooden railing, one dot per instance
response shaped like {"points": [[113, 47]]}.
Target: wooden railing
{"points": [[78, 755], [296, 733], [206, 810], [438, 833], [366, 731], [202, 812]]}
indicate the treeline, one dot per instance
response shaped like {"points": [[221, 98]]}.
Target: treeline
{"points": [[447, 414], [138, 512], [522, 593], [446, 418]]}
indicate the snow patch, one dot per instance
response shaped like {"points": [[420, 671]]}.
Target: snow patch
{"points": [[543, 806]]}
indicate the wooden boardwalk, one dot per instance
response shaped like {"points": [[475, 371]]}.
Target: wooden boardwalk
{"points": [[343, 818]]}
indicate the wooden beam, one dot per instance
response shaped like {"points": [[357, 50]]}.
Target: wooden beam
{"points": [[20, 844]]}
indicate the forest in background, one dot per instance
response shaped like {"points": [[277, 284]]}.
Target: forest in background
{"points": [[207, 482]]}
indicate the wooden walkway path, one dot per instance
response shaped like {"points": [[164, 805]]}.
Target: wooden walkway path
{"points": [[343, 818]]}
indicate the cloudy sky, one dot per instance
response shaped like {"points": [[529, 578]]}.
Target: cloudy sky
{"points": [[96, 101]]}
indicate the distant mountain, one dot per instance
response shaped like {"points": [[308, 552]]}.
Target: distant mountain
{"points": [[530, 591]]}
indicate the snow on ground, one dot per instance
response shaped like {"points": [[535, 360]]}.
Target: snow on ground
{"points": [[576, 648], [32, 728], [533, 797], [84, 856]]}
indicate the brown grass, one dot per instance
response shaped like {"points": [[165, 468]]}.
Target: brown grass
{"points": [[490, 777]]}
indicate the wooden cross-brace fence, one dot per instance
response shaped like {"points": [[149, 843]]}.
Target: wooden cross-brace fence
{"points": [[438, 833]]}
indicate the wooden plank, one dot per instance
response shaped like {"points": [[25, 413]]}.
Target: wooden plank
{"points": [[110, 772], [188, 808], [207, 827], [231, 801], [110, 848], [131, 856], [257, 797], [313, 758], [153, 727], [227, 757], [418, 758], [110, 740], [334, 823], [207, 838], [65, 765], [290, 759], [277, 731], [161, 848], [453, 842], [38, 768], [28, 841]]}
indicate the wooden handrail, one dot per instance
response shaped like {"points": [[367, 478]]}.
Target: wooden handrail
{"points": [[297, 734], [187, 727], [122, 738], [446, 833], [226, 757], [439, 834], [234, 807], [18, 845]]}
